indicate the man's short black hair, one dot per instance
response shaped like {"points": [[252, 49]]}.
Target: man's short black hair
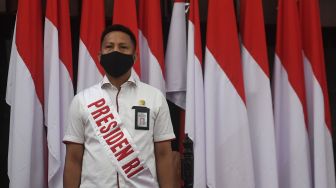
{"points": [[121, 28]]}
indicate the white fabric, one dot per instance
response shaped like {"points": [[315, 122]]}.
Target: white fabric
{"points": [[95, 169], [320, 136], [194, 118], [176, 57], [117, 142], [88, 73], [151, 72], [26, 133], [228, 147], [58, 94], [291, 134], [261, 122]]}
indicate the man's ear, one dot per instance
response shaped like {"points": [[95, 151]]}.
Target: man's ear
{"points": [[99, 55], [135, 56]]}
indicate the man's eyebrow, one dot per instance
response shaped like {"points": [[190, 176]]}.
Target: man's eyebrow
{"points": [[108, 42], [124, 44]]}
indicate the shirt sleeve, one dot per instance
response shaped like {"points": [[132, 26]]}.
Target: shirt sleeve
{"points": [[74, 131], [163, 128]]}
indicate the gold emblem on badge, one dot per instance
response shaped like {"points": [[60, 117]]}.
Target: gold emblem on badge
{"points": [[142, 102]]}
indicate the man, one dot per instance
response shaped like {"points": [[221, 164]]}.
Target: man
{"points": [[119, 130]]}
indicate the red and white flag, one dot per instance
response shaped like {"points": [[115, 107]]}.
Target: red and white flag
{"points": [[90, 71], [27, 148], [194, 114], [58, 87], [258, 93], [176, 56], [151, 44], [319, 119], [290, 101], [124, 13], [228, 144]]}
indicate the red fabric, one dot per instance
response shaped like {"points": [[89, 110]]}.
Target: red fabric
{"points": [[29, 41], [92, 12], [313, 48], [61, 21], [289, 48], [151, 27], [251, 25], [226, 52], [194, 17], [124, 13]]}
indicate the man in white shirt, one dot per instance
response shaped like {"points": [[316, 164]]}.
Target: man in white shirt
{"points": [[120, 131]]}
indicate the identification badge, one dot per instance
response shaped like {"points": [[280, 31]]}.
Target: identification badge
{"points": [[141, 117]]}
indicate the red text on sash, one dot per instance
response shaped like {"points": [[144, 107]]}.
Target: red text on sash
{"points": [[115, 138]]}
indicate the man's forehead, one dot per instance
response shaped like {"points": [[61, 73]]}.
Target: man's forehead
{"points": [[117, 36]]}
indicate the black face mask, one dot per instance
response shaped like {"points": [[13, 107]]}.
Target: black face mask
{"points": [[116, 64]]}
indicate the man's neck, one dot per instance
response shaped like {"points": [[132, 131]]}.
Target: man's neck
{"points": [[117, 82]]}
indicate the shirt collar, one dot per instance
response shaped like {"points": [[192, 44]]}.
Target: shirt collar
{"points": [[132, 80]]}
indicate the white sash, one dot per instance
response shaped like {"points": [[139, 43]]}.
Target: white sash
{"points": [[117, 142]]}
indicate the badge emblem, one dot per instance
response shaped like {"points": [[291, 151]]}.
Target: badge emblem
{"points": [[141, 116]]}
